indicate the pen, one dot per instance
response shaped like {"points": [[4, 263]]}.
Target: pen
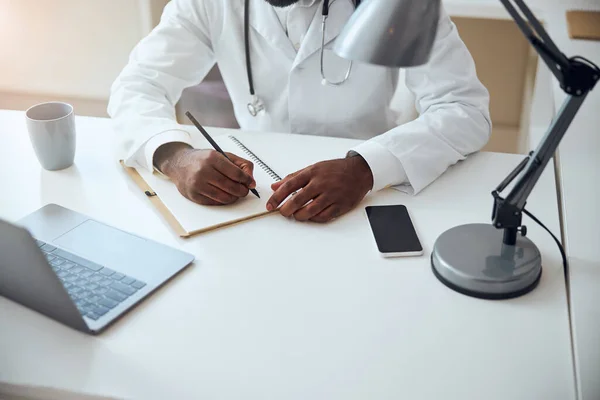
{"points": [[212, 142]]}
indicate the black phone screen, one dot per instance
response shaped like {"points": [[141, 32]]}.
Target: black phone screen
{"points": [[393, 229]]}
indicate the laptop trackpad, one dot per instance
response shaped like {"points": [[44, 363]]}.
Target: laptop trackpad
{"points": [[105, 245]]}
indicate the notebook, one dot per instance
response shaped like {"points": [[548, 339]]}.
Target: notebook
{"points": [[274, 156]]}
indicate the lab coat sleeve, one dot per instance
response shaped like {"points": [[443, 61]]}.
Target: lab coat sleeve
{"points": [[453, 120], [177, 54]]}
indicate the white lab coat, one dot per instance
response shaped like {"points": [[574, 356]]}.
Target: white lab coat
{"points": [[194, 34]]}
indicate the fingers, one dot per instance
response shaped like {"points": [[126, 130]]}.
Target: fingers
{"points": [[298, 201], [211, 183], [328, 214], [241, 162], [313, 208], [288, 187], [216, 194], [276, 185], [203, 200], [239, 169], [207, 177], [192, 194], [230, 170], [227, 185], [200, 189]]}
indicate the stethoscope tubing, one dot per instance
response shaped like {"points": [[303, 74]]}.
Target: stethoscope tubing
{"points": [[256, 105]]}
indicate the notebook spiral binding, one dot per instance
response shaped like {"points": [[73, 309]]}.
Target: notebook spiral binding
{"points": [[255, 159]]}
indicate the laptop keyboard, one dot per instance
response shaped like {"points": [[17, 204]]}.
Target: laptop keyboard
{"points": [[95, 289]]}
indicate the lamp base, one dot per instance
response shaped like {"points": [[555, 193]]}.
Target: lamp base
{"points": [[472, 260]]}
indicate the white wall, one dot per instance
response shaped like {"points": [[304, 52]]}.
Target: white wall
{"points": [[67, 48]]}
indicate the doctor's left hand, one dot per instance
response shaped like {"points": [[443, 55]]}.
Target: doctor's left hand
{"points": [[335, 187]]}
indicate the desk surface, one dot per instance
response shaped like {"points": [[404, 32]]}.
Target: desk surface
{"points": [[579, 179], [297, 311], [578, 167]]}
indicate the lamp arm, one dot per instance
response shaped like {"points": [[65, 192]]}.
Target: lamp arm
{"points": [[535, 33], [508, 212], [577, 77], [546, 149]]}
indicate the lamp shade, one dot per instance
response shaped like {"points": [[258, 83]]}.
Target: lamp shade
{"points": [[394, 33]]}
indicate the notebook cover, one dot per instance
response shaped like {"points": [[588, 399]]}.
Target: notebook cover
{"points": [[170, 218], [584, 24], [155, 200]]}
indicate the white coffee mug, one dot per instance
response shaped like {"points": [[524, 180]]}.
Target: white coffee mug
{"points": [[51, 129]]}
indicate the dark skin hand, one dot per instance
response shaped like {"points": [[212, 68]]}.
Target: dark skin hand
{"points": [[335, 187], [205, 176]]}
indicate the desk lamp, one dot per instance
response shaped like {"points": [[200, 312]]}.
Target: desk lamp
{"points": [[491, 261]]}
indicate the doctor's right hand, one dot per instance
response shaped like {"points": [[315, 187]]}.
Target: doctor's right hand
{"points": [[205, 176]]}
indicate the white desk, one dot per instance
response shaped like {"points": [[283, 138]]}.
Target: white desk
{"points": [[332, 320], [579, 178], [578, 172]]}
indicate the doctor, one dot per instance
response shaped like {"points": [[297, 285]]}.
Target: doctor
{"points": [[276, 84]]}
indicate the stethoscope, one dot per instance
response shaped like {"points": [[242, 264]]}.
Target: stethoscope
{"points": [[256, 105]]}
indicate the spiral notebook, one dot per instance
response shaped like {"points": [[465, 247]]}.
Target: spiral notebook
{"points": [[274, 155], [188, 218]]}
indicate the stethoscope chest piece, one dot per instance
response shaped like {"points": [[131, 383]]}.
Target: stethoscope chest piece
{"points": [[256, 106]]}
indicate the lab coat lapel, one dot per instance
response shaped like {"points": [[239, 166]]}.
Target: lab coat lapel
{"points": [[339, 13], [264, 20]]}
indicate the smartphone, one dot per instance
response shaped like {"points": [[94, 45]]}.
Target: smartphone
{"points": [[393, 230]]}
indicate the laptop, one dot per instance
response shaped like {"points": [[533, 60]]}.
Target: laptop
{"points": [[79, 271]]}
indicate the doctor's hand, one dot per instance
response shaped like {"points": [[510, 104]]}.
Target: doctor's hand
{"points": [[205, 176], [335, 187]]}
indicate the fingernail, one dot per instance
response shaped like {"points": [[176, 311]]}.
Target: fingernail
{"points": [[253, 185], [269, 207]]}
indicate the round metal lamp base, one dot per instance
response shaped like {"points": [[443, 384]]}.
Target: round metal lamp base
{"points": [[472, 260]]}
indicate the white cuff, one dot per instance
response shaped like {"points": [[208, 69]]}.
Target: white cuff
{"points": [[145, 155], [387, 170]]}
